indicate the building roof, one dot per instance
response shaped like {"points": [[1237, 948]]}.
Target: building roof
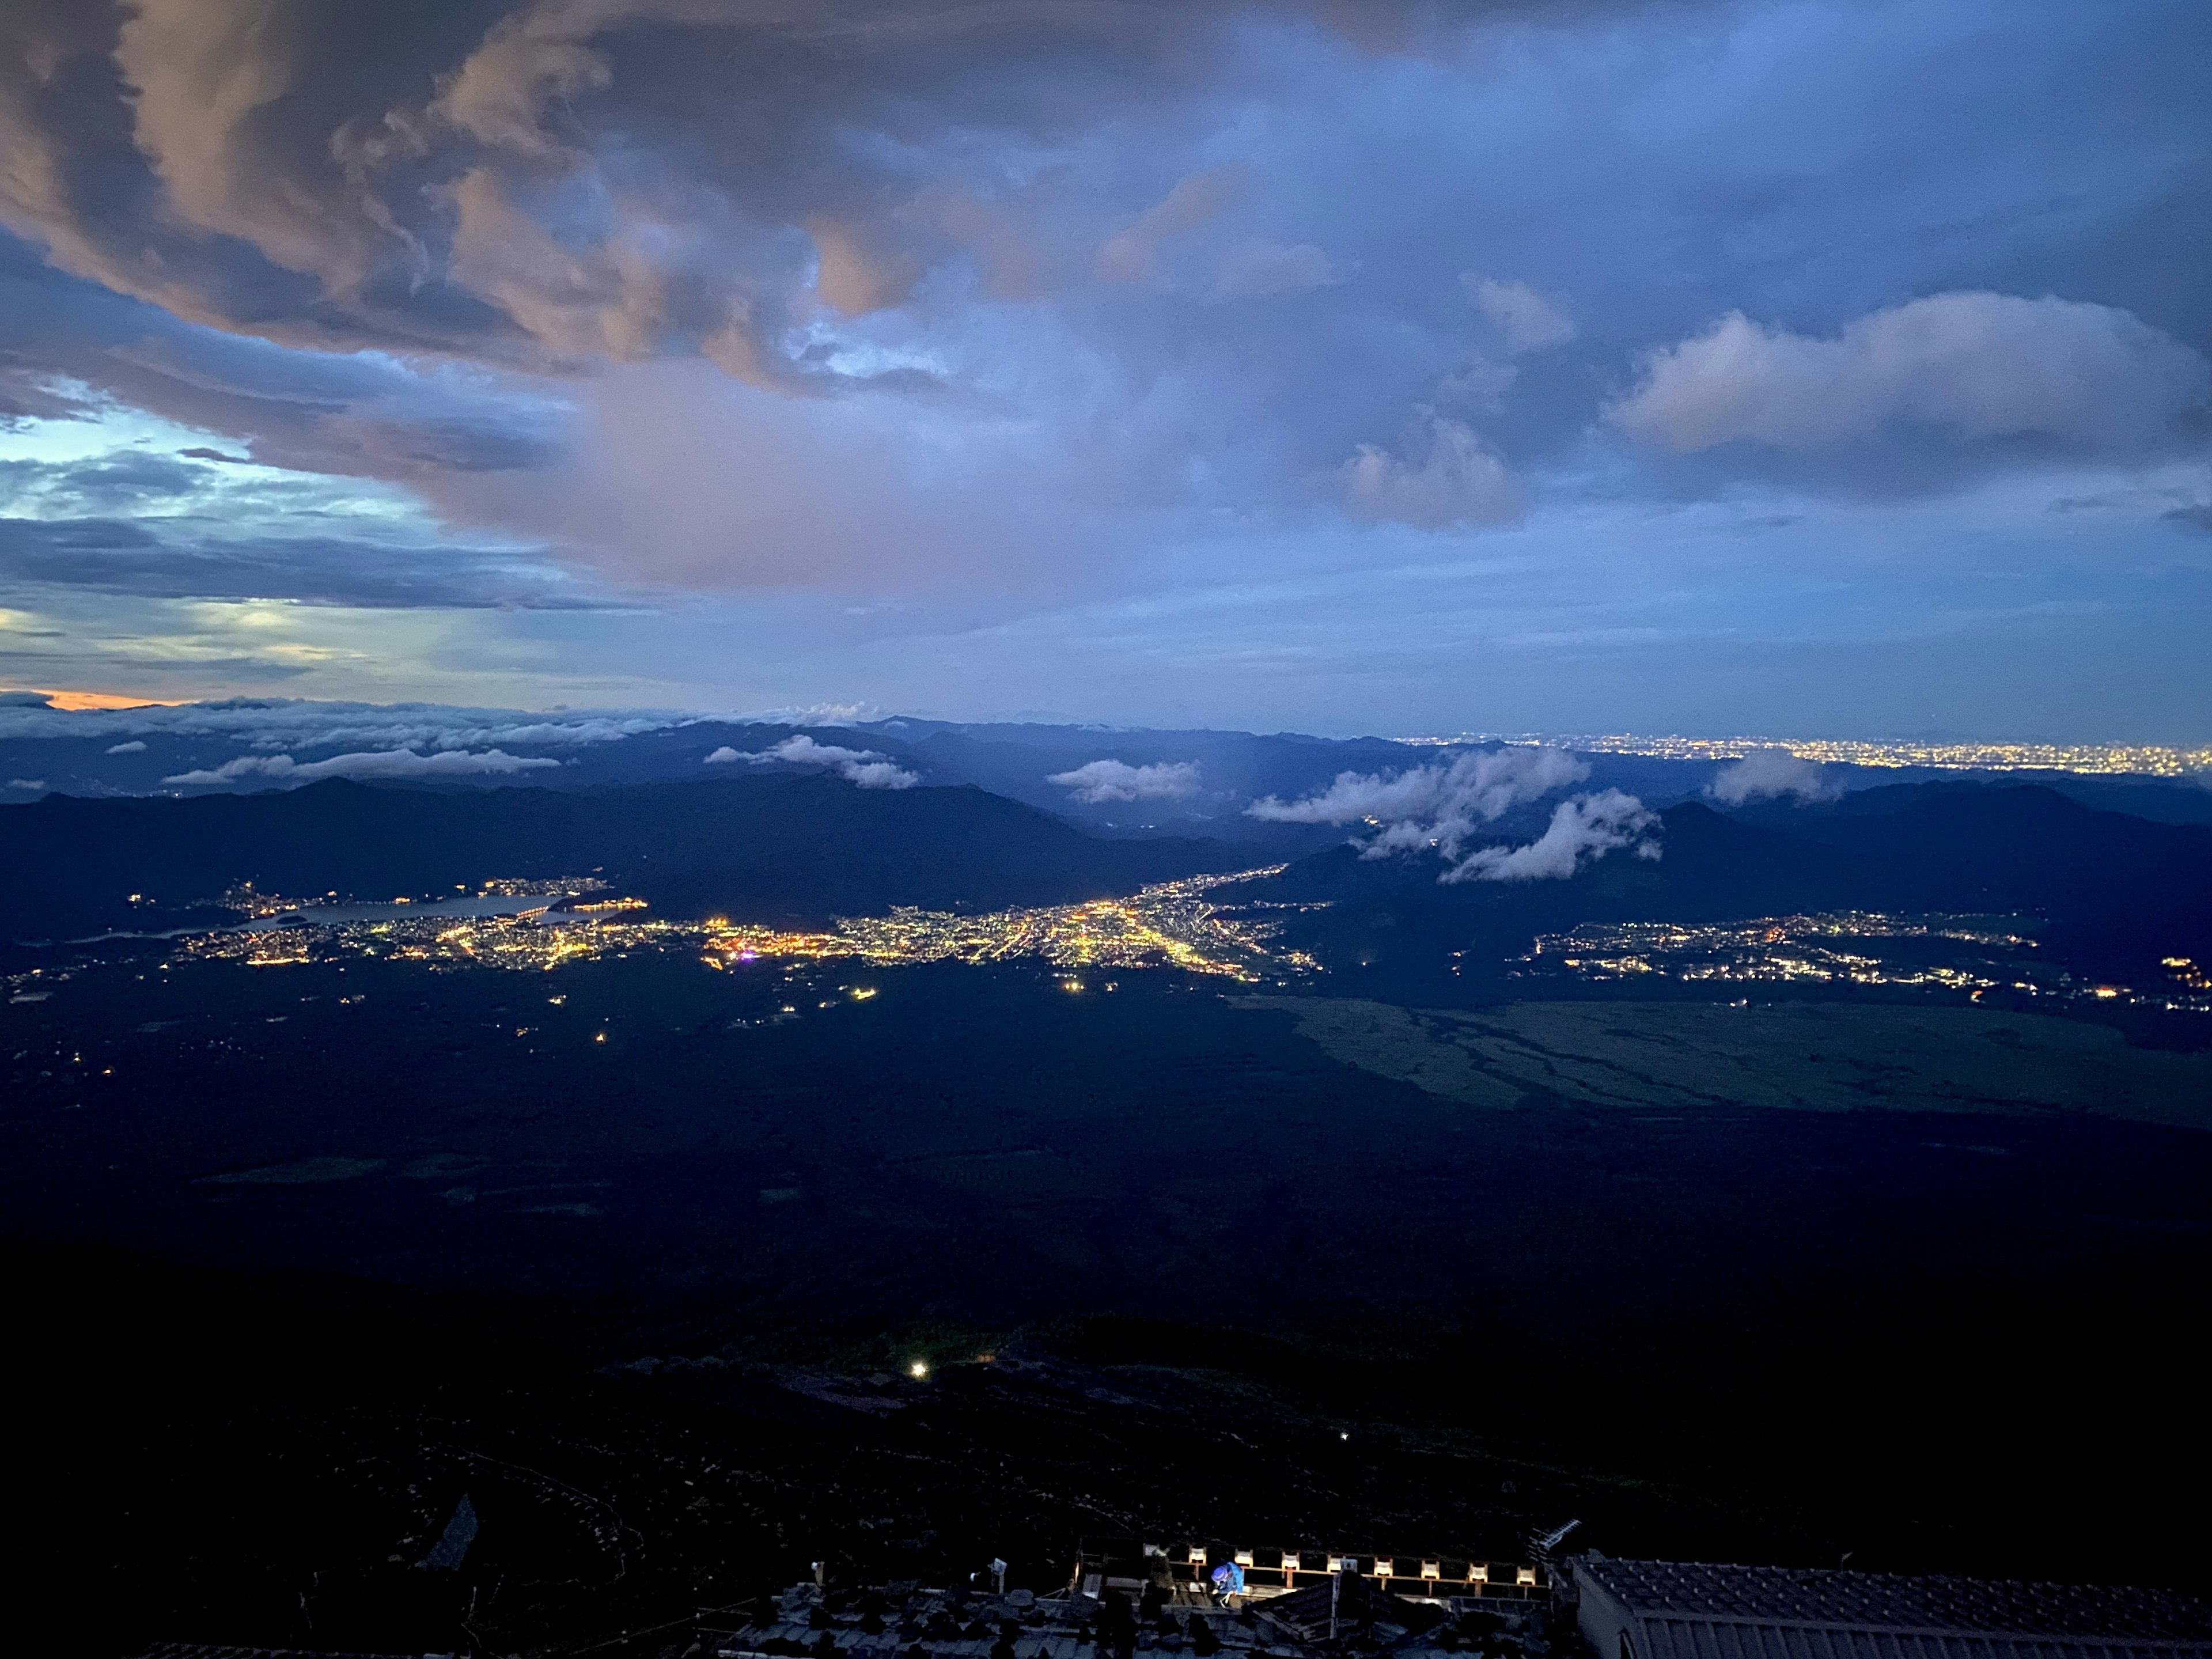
{"points": [[1668, 1637], [1696, 1611]]}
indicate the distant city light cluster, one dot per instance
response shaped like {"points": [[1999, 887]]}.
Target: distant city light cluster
{"points": [[1854, 947], [541, 939], [1171, 925], [2139, 760]]}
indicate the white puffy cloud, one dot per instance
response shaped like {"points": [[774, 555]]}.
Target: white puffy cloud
{"points": [[1486, 784], [1111, 780], [1254, 269], [863, 768], [1528, 321], [136, 746], [878, 774], [1458, 481], [1583, 831], [1990, 365], [1768, 773], [378, 763], [1440, 807]]}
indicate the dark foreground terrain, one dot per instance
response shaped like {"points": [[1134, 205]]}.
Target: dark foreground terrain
{"points": [[1261, 1272]]}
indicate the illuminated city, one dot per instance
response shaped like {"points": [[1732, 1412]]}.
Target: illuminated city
{"points": [[1170, 925], [1973, 954], [2138, 760]]}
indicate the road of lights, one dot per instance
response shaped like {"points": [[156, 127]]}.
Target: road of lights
{"points": [[2139, 760]]}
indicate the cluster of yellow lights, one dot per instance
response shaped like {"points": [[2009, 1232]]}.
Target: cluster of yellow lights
{"points": [[2140, 760], [1812, 950], [1172, 925], [1802, 950], [527, 941], [1669, 937]]}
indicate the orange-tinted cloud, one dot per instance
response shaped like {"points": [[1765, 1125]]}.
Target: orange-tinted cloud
{"points": [[80, 699]]}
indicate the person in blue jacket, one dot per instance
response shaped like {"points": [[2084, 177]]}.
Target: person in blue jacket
{"points": [[1228, 1581]]}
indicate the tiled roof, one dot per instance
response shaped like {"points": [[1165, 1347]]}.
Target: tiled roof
{"points": [[1670, 1637], [2090, 1616]]}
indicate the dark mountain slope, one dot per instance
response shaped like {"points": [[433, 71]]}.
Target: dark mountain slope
{"points": [[792, 849], [2114, 887]]}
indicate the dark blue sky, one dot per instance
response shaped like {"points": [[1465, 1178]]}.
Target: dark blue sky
{"points": [[1790, 368]]}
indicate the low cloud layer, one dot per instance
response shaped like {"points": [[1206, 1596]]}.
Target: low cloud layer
{"points": [[1485, 786], [280, 724], [1101, 780], [1583, 831], [1984, 365], [864, 768], [378, 764], [1771, 774], [1444, 808]]}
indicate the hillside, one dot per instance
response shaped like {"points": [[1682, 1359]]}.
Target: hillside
{"points": [[780, 848]]}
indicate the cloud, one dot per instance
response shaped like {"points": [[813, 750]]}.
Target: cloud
{"points": [[271, 724], [379, 763], [1583, 829], [191, 557], [1252, 270], [1528, 321], [1132, 255], [518, 254], [530, 178], [136, 746], [33, 785], [1456, 482], [1478, 381], [1770, 774], [878, 774], [1103, 781], [1440, 808], [862, 768], [1985, 365], [203, 453]]}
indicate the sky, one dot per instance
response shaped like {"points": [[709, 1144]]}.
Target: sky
{"points": [[1795, 369]]}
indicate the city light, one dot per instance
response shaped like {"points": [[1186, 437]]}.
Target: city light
{"points": [[1176, 924], [1979, 954], [2139, 760], [1170, 925]]}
